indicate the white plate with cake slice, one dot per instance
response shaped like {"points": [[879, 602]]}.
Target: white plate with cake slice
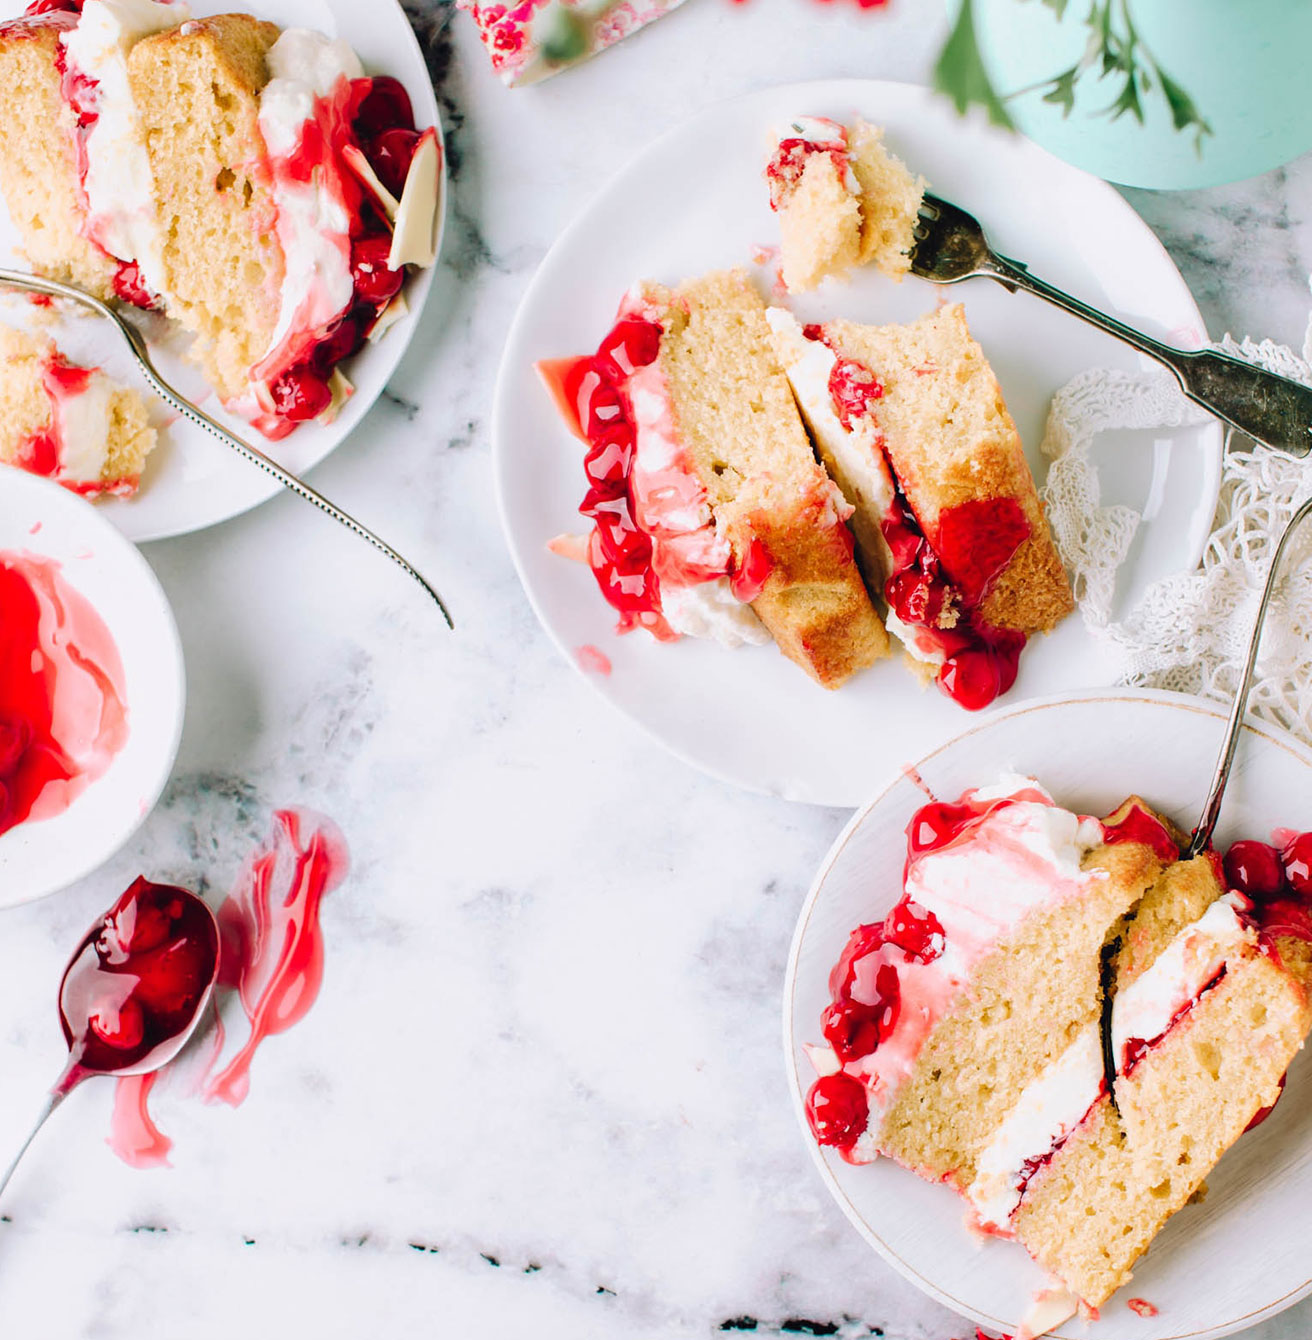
{"points": [[192, 480], [749, 716], [1221, 1264]]}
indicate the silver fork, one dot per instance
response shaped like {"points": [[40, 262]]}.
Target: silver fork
{"points": [[136, 342], [950, 246]]}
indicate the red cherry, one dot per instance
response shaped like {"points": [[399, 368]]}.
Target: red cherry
{"points": [[374, 281], [54, 7], [916, 596], [936, 824], [300, 394], [971, 678], [344, 339], [916, 931], [862, 941], [172, 978], [851, 1029], [384, 106], [120, 1026], [1254, 869], [610, 456], [838, 1110], [15, 738], [632, 344], [390, 156], [1298, 864], [6, 805]]}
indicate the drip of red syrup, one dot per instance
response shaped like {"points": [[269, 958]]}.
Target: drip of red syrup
{"points": [[63, 712], [131, 992], [1137, 825], [271, 957], [1141, 1307]]}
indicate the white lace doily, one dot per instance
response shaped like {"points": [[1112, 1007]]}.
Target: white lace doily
{"points": [[1190, 632]]}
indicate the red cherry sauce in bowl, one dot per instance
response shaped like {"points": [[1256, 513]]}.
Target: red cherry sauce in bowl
{"points": [[137, 983]]}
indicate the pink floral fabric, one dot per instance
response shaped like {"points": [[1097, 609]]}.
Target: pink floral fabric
{"points": [[512, 33]]}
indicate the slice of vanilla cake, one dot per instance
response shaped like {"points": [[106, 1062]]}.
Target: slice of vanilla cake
{"points": [[1065, 1022], [39, 150], [711, 515], [842, 199], [253, 184], [910, 421], [69, 423]]}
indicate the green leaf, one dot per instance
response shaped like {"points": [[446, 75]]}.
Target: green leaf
{"points": [[1184, 112], [1062, 90], [1128, 101], [1058, 7], [960, 73]]}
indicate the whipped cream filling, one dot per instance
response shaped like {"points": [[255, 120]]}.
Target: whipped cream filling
{"points": [[690, 557], [827, 137], [118, 182], [854, 456], [1057, 1101], [81, 421], [314, 223], [1012, 861]]}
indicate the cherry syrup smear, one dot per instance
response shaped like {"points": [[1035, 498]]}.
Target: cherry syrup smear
{"points": [[589, 394], [271, 961], [937, 588], [1138, 825], [63, 712], [1141, 1307]]}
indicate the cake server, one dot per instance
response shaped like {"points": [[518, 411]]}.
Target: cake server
{"points": [[31, 283], [950, 246]]}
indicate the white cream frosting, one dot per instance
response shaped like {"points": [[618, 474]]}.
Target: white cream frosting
{"points": [[119, 184], [81, 421], [710, 609], [1055, 1103], [313, 223]]}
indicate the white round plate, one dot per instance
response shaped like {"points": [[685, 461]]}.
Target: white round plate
{"points": [[696, 200], [39, 517], [1218, 1267], [192, 480]]}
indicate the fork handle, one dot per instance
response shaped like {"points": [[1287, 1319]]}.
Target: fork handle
{"points": [[1268, 408]]}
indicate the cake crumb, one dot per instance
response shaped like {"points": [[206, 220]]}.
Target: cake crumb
{"points": [[1141, 1306]]}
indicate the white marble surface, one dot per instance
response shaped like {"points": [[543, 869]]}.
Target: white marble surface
{"points": [[542, 1091]]}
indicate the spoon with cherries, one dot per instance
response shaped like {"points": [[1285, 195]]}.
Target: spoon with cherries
{"points": [[134, 990]]}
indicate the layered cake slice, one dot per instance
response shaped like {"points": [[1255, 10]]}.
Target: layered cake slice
{"points": [[842, 199], [911, 423], [710, 513], [1065, 1022], [253, 184], [71, 424]]}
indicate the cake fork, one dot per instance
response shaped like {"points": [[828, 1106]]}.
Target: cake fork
{"points": [[136, 342], [950, 246]]}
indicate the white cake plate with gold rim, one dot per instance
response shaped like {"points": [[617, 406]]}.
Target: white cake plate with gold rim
{"points": [[695, 200], [192, 480], [1218, 1267]]}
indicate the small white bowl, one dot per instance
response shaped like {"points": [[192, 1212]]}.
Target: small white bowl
{"points": [[38, 857]]}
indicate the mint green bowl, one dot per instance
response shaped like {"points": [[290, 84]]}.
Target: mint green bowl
{"points": [[1245, 63]]}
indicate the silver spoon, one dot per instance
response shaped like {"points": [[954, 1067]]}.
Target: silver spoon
{"points": [[1202, 835], [96, 993], [30, 283]]}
